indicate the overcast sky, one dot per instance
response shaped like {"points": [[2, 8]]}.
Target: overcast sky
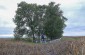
{"points": [[74, 11]]}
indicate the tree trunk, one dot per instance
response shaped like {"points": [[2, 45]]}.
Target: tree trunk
{"points": [[33, 37], [33, 34], [39, 36]]}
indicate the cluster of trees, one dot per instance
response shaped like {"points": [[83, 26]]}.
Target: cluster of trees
{"points": [[33, 20]]}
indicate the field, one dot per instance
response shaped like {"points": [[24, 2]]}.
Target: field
{"points": [[64, 46]]}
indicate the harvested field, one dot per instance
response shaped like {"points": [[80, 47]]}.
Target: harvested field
{"points": [[62, 47]]}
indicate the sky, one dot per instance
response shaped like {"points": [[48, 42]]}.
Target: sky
{"points": [[73, 10]]}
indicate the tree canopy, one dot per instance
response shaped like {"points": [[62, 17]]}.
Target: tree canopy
{"points": [[33, 20]]}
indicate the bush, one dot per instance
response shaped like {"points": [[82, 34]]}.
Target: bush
{"points": [[27, 39]]}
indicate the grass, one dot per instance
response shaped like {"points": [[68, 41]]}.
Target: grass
{"points": [[70, 38], [66, 46]]}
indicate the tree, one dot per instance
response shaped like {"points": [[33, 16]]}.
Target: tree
{"points": [[55, 21], [19, 20], [31, 16], [33, 19], [40, 19], [24, 18]]}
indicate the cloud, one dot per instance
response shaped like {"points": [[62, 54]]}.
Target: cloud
{"points": [[76, 19], [2, 7], [74, 33], [6, 35], [6, 22], [6, 30]]}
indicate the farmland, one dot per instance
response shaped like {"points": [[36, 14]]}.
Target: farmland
{"points": [[64, 46]]}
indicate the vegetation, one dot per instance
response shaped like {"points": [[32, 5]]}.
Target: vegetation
{"points": [[69, 47], [34, 20], [54, 23]]}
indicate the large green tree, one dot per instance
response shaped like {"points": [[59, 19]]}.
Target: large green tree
{"points": [[33, 19], [55, 21], [25, 19], [29, 17]]}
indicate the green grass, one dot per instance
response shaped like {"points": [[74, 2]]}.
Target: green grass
{"points": [[69, 38]]}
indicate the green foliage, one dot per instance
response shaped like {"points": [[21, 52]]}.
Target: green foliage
{"points": [[54, 23], [27, 39], [33, 19]]}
